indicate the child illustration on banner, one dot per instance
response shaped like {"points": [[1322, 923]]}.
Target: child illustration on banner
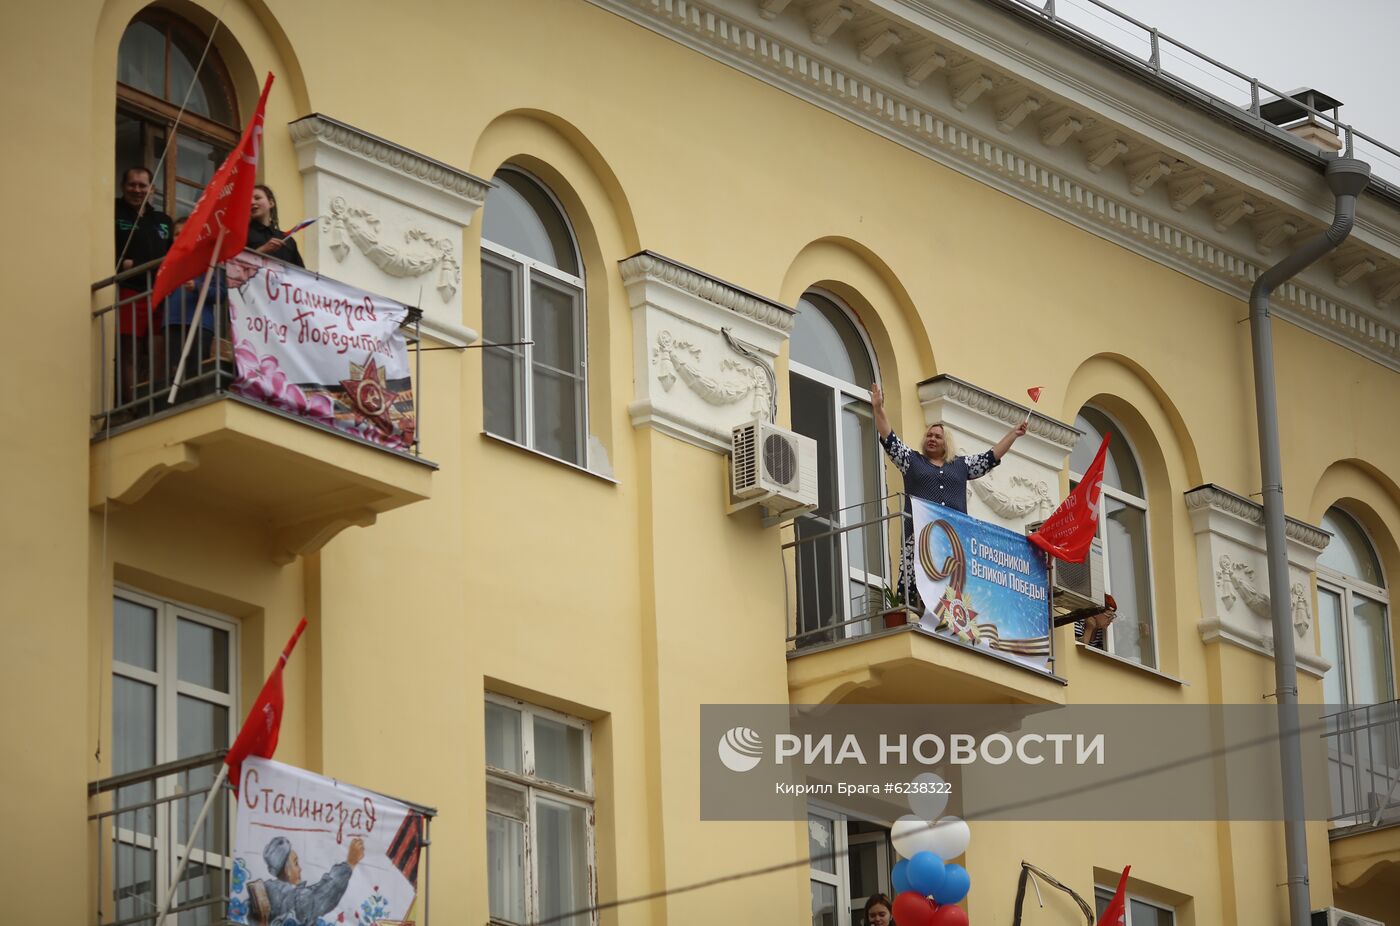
{"points": [[333, 854], [289, 899]]}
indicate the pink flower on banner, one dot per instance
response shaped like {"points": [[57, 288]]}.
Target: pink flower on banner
{"points": [[261, 378], [258, 377]]}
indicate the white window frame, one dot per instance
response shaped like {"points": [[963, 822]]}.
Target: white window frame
{"points": [[535, 787], [842, 842], [1101, 532], [839, 388], [1345, 587], [1130, 899], [168, 685], [524, 267]]}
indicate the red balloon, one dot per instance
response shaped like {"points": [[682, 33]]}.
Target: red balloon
{"points": [[948, 915], [913, 909]]}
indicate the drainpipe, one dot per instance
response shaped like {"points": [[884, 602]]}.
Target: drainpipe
{"points": [[1346, 177]]}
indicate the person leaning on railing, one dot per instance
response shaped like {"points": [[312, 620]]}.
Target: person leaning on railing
{"points": [[264, 234], [933, 474], [143, 234], [1091, 624]]}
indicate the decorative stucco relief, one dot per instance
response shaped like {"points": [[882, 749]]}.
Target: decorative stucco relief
{"points": [[1020, 498], [678, 358], [1235, 581], [421, 254]]}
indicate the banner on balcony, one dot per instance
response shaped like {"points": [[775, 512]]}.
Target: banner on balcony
{"points": [[320, 349], [312, 851], [983, 584]]}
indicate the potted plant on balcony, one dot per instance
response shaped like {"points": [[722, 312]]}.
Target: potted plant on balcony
{"points": [[896, 613]]}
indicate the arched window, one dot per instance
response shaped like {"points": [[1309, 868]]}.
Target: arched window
{"points": [[536, 394], [1353, 608], [830, 372], [158, 69], [1123, 533]]}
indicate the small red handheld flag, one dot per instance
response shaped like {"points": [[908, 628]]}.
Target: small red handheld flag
{"points": [[1034, 393], [225, 203], [1113, 913], [1069, 531], [259, 734]]}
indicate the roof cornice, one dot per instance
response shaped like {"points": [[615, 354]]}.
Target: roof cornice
{"points": [[979, 91]]}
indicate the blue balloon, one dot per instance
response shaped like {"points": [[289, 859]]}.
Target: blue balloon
{"points": [[926, 873], [899, 877], [956, 883]]}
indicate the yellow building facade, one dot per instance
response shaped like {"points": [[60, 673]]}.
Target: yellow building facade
{"points": [[947, 197]]}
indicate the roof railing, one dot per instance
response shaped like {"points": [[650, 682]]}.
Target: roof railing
{"points": [[1154, 56]]}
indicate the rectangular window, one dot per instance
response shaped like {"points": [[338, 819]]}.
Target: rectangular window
{"points": [[174, 672], [539, 814], [851, 861], [1139, 911], [535, 387], [1123, 532]]}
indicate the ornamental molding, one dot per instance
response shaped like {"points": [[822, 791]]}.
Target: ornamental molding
{"points": [[649, 266], [960, 392], [1213, 498], [719, 341], [1021, 499], [420, 254], [396, 158], [1235, 581], [678, 358], [1213, 630], [1166, 183]]}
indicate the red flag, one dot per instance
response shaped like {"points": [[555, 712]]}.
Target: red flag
{"points": [[225, 203], [1113, 913], [1034, 393], [259, 734], [1069, 531]]}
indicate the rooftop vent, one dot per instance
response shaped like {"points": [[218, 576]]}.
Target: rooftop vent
{"points": [[1286, 113]]}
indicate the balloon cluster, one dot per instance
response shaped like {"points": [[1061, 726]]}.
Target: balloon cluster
{"points": [[927, 888]]}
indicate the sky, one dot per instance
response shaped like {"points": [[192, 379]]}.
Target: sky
{"points": [[1344, 48]]}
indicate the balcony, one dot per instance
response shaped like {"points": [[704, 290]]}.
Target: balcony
{"points": [[1363, 758], [250, 447], [852, 640], [139, 829], [1363, 777]]}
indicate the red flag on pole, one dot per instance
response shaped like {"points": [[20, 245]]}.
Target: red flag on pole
{"points": [[1034, 393], [224, 203], [259, 734], [1113, 913], [1069, 531]]}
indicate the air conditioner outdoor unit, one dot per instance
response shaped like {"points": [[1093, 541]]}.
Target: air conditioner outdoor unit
{"points": [[772, 467], [1331, 916], [1077, 585]]}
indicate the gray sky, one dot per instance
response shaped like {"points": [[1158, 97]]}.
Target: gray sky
{"points": [[1285, 43]]}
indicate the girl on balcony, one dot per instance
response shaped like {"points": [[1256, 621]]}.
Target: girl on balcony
{"points": [[933, 474], [264, 234]]}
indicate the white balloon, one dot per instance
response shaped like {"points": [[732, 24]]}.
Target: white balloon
{"points": [[912, 835], [948, 838], [928, 803]]}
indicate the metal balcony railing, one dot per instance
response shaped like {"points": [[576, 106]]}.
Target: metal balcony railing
{"points": [[140, 823], [138, 343], [141, 832], [1363, 766], [846, 564]]}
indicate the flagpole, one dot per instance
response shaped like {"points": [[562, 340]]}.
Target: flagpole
{"points": [[194, 833], [194, 322]]}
